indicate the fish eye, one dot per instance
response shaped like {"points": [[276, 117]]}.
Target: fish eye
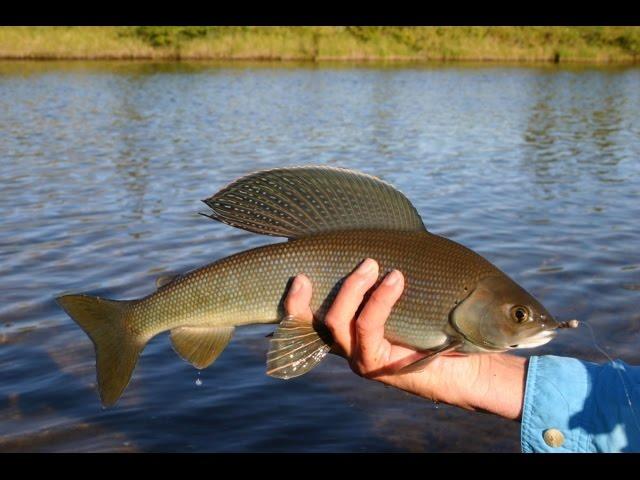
{"points": [[519, 314]]}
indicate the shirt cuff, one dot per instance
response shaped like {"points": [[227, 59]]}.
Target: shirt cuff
{"points": [[555, 398]]}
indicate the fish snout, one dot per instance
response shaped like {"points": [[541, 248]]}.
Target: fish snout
{"points": [[547, 322]]}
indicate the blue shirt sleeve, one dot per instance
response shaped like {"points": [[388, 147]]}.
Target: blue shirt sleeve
{"points": [[575, 406]]}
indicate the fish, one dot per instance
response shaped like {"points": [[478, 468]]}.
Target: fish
{"points": [[454, 299]]}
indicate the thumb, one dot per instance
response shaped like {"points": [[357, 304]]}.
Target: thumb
{"points": [[298, 298]]}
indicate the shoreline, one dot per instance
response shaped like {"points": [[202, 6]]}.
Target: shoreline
{"points": [[518, 45], [326, 60]]}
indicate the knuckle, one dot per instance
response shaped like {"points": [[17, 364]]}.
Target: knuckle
{"points": [[366, 325], [361, 369], [383, 298], [357, 367], [332, 321], [351, 283]]}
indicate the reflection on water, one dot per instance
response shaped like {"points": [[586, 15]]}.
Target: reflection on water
{"points": [[101, 172], [586, 135]]}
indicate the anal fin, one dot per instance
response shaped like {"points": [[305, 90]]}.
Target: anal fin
{"points": [[200, 345], [296, 347]]}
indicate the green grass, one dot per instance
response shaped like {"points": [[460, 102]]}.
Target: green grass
{"points": [[559, 44]]}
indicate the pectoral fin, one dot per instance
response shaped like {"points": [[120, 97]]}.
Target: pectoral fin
{"points": [[296, 347], [420, 365], [200, 346]]}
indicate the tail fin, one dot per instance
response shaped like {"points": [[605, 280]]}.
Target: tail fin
{"points": [[117, 349]]}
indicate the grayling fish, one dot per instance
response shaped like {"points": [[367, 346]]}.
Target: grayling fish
{"points": [[454, 299]]}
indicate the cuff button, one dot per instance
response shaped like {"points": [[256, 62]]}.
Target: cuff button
{"points": [[553, 437]]}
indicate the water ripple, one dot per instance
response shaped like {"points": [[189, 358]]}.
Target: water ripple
{"points": [[103, 166]]}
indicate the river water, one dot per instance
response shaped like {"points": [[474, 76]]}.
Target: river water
{"points": [[103, 164]]}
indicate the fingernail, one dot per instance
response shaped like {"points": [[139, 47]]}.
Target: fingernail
{"points": [[366, 267], [295, 286], [392, 278]]}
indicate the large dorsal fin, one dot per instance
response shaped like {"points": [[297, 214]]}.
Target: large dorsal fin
{"points": [[299, 201]]}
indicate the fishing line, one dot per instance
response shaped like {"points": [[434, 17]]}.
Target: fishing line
{"points": [[574, 324]]}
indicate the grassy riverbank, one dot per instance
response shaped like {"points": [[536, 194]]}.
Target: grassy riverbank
{"points": [[554, 44]]}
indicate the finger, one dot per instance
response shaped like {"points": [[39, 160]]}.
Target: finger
{"points": [[372, 348], [340, 316], [298, 298]]}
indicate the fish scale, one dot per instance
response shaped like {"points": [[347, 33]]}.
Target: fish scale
{"points": [[248, 287]]}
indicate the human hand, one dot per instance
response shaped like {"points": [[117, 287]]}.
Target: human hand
{"points": [[488, 382]]}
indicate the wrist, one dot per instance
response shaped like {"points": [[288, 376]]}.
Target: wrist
{"points": [[492, 383], [500, 385]]}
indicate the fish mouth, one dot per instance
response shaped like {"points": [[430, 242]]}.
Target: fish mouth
{"points": [[547, 322], [540, 338]]}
